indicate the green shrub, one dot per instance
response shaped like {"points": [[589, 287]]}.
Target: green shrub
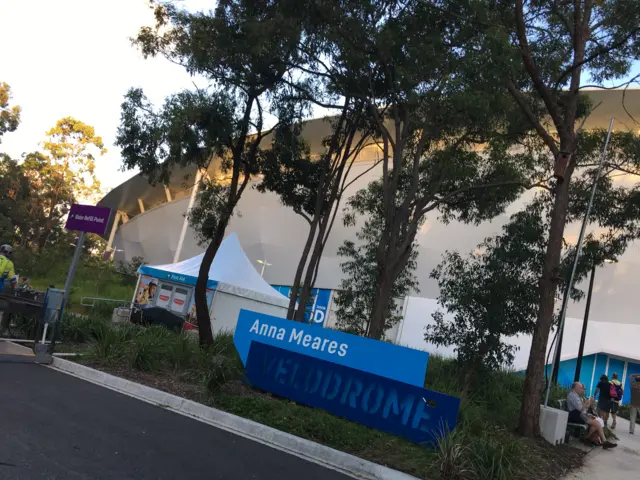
{"points": [[452, 459], [181, 351], [147, 352], [496, 455], [108, 344], [25, 326]]}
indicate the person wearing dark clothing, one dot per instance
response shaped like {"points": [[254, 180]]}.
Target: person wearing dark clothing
{"points": [[604, 400]]}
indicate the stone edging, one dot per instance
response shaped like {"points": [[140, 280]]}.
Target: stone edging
{"points": [[300, 447]]}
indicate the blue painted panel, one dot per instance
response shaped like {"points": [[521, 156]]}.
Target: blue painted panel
{"points": [[616, 366], [586, 372], [567, 372], [420, 415], [632, 368], [601, 366], [316, 311], [380, 358]]}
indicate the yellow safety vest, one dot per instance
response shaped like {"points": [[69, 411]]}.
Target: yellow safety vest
{"points": [[6, 268]]}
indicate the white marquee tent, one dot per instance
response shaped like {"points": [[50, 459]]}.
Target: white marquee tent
{"points": [[232, 277]]}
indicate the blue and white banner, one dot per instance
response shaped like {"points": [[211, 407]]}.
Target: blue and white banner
{"points": [[317, 309], [374, 356], [420, 415]]}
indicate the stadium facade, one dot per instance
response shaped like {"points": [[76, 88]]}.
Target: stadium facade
{"points": [[150, 221]]}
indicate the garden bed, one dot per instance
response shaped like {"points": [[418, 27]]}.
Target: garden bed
{"points": [[482, 446]]}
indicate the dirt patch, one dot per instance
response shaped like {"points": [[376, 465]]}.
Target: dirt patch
{"points": [[548, 461], [166, 382]]}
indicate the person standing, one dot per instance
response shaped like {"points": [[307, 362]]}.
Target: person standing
{"points": [[7, 270], [604, 401], [616, 392], [634, 403]]}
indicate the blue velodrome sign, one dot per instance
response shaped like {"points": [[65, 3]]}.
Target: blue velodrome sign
{"points": [[379, 358], [420, 415]]}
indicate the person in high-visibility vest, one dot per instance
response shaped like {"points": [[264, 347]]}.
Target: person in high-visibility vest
{"points": [[7, 270]]}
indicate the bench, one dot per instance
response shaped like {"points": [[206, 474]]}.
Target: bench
{"points": [[578, 430]]}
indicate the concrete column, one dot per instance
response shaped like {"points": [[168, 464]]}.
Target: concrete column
{"points": [[168, 194], [141, 205], [185, 224], [114, 227]]}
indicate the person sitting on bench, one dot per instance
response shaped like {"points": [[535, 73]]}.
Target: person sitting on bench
{"points": [[578, 413]]}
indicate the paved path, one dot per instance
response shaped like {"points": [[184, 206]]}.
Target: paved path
{"points": [[621, 463], [55, 426]]}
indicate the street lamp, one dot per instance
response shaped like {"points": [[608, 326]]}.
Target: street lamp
{"points": [[585, 321], [264, 265]]}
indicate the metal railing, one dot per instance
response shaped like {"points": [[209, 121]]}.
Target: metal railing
{"points": [[101, 300]]}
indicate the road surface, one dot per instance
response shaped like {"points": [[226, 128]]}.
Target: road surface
{"points": [[55, 426]]}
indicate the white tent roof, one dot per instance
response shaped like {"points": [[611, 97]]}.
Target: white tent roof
{"points": [[230, 266]]}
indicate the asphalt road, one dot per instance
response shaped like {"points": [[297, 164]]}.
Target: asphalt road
{"points": [[54, 426]]}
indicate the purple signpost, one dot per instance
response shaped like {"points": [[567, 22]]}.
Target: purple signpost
{"points": [[88, 219], [84, 219]]}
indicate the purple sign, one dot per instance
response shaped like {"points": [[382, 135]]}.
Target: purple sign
{"points": [[88, 218]]}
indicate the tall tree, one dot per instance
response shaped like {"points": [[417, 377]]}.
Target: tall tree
{"points": [[9, 115], [492, 294], [430, 113], [63, 172], [314, 187], [357, 295], [243, 49], [544, 52]]}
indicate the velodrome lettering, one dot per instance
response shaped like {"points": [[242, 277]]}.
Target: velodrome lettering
{"points": [[375, 401]]}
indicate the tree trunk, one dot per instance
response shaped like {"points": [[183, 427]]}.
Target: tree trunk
{"points": [[300, 270], [466, 387], [529, 424], [380, 305], [316, 254], [205, 334]]}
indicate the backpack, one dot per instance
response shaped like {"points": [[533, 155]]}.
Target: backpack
{"points": [[615, 391]]}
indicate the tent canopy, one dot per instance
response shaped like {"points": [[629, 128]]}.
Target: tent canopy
{"points": [[230, 266]]}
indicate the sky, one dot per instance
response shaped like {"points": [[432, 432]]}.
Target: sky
{"points": [[75, 58]]}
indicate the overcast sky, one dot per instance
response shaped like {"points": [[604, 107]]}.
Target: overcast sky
{"points": [[74, 58]]}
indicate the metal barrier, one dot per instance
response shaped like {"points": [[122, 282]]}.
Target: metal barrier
{"points": [[101, 300]]}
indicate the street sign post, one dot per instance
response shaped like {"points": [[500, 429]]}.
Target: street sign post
{"points": [[84, 219]]}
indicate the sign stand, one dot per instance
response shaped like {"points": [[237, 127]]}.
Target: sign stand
{"points": [[67, 285], [82, 218]]}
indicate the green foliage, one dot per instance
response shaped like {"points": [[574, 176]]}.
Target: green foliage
{"points": [[243, 49], [130, 269], [206, 214], [9, 115], [94, 276], [359, 289], [15, 191], [492, 293]]}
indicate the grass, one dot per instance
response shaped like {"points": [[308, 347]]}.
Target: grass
{"points": [[483, 446], [94, 277]]}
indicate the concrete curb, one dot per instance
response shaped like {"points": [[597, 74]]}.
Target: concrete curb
{"points": [[300, 447]]}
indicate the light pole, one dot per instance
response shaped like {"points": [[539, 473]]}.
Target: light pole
{"points": [[264, 265], [585, 321]]}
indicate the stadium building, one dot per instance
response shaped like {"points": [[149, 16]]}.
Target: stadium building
{"points": [[150, 223]]}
